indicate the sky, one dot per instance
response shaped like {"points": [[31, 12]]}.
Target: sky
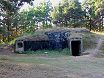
{"points": [[54, 2], [36, 3]]}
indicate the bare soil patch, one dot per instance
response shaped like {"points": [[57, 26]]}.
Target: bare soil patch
{"points": [[62, 67]]}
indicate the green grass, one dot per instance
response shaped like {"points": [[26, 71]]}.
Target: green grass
{"points": [[31, 34], [30, 60], [23, 59], [53, 53]]}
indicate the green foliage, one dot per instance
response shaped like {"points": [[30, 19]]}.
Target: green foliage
{"points": [[12, 42], [8, 8], [30, 20], [94, 12], [68, 12], [99, 6]]}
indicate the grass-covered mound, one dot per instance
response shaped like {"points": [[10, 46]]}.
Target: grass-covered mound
{"points": [[89, 39]]}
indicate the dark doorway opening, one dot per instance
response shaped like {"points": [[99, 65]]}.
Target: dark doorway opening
{"points": [[75, 48], [35, 45]]}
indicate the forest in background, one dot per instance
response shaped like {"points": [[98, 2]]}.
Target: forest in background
{"points": [[68, 13]]}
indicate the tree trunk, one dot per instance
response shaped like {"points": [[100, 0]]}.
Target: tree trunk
{"points": [[90, 24], [8, 26]]}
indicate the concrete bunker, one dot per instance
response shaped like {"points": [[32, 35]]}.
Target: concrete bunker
{"points": [[49, 40], [57, 39], [38, 42], [75, 44], [31, 45]]}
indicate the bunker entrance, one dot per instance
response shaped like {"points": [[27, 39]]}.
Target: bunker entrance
{"points": [[75, 48]]}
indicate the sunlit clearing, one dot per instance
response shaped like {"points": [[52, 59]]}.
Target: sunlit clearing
{"points": [[99, 33]]}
